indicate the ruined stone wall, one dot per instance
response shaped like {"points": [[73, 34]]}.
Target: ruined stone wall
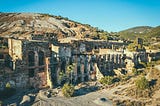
{"points": [[39, 67], [81, 71], [15, 49], [55, 49], [43, 62], [16, 80], [108, 62], [64, 51], [48, 72], [33, 65]]}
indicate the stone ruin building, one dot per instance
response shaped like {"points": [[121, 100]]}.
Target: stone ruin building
{"points": [[39, 64], [27, 64]]}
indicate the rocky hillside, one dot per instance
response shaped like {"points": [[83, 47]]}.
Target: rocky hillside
{"points": [[25, 25]]}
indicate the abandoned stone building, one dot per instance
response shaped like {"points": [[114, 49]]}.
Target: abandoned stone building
{"points": [[40, 64], [93, 56], [3, 51], [28, 63]]}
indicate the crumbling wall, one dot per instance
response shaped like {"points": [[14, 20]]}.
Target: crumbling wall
{"points": [[15, 49], [16, 80]]}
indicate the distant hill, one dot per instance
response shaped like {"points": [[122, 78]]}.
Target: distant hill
{"points": [[145, 32], [155, 32], [24, 25], [132, 33], [139, 29], [27, 25]]}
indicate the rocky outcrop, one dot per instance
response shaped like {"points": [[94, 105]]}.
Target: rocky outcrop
{"points": [[25, 25]]}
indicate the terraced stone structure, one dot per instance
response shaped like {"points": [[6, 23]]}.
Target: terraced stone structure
{"points": [[39, 64]]}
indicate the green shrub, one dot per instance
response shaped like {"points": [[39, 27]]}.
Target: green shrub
{"points": [[107, 80], [142, 83], [125, 78], [68, 90]]}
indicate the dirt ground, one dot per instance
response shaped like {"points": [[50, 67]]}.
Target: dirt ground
{"points": [[111, 94]]}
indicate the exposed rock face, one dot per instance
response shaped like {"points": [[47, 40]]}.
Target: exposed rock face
{"points": [[24, 25]]}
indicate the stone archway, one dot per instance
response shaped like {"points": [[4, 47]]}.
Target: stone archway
{"points": [[31, 58], [41, 58]]}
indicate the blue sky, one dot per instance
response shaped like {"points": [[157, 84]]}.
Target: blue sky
{"points": [[109, 15]]}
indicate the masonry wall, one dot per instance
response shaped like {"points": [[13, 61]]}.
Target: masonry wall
{"points": [[15, 49], [29, 70], [41, 63]]}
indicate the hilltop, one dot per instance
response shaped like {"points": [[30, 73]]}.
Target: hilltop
{"points": [[24, 25]]}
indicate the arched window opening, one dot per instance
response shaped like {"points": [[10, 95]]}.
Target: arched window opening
{"points": [[31, 59], [1, 56], [41, 58]]}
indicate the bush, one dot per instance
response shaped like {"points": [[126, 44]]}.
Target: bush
{"points": [[107, 80], [68, 90], [125, 78], [142, 83]]}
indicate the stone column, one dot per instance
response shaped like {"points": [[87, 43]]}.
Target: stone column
{"points": [[14, 65], [120, 60], [82, 72], [88, 71], [36, 59], [48, 73], [75, 73]]}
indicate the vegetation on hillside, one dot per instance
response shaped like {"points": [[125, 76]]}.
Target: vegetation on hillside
{"points": [[135, 46], [107, 80], [144, 32], [142, 83], [154, 47]]}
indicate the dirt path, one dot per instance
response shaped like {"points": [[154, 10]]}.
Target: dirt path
{"points": [[92, 98], [84, 100]]}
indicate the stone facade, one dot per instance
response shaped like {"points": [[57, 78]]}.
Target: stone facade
{"points": [[29, 59], [42, 63]]}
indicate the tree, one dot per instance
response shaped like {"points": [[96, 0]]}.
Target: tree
{"points": [[70, 70], [132, 47], [107, 80], [68, 90], [8, 85], [61, 76], [136, 45], [142, 83], [103, 36]]}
